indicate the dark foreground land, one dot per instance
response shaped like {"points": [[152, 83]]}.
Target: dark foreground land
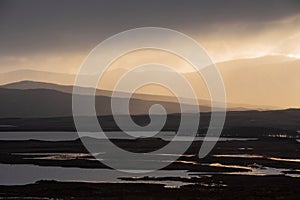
{"points": [[263, 152], [237, 187], [237, 123], [222, 180]]}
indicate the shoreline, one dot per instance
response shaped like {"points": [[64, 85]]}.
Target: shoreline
{"points": [[216, 187], [217, 176]]}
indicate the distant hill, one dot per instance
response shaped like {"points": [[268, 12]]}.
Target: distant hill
{"points": [[280, 123], [265, 83], [53, 103], [270, 80], [29, 85], [39, 76]]}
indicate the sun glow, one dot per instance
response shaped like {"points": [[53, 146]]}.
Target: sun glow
{"points": [[294, 56]]}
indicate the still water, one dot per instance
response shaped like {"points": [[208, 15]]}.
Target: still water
{"points": [[25, 174], [65, 136]]}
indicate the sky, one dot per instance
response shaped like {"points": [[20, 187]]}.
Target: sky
{"points": [[255, 44], [57, 35]]}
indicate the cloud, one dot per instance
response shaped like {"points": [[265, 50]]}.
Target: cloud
{"points": [[36, 33], [35, 26]]}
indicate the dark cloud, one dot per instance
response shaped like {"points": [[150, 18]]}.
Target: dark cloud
{"points": [[34, 26]]}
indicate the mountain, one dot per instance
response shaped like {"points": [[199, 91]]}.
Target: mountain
{"points": [[40, 76], [53, 103], [29, 85], [264, 83], [270, 80]]}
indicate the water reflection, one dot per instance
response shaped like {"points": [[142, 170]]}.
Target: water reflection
{"points": [[66, 136], [256, 156], [25, 174], [285, 159], [228, 166], [237, 156]]}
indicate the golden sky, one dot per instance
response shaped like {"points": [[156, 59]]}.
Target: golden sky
{"points": [[51, 36], [57, 37]]}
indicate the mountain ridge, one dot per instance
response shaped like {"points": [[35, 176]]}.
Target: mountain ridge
{"points": [[271, 82], [25, 85]]}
